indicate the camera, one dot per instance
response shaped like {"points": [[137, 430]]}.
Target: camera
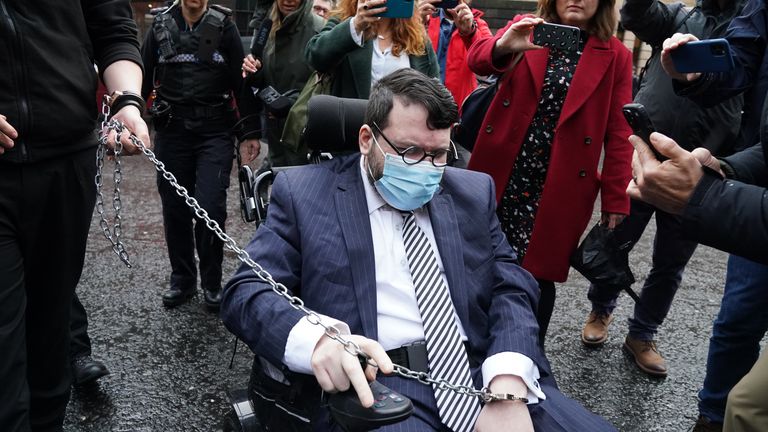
{"points": [[277, 104]]}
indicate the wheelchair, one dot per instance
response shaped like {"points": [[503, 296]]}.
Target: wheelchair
{"points": [[332, 130]]}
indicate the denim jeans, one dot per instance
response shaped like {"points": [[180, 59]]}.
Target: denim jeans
{"points": [[735, 343], [671, 253]]}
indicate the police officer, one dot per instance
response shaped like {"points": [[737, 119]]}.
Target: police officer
{"points": [[192, 57]]}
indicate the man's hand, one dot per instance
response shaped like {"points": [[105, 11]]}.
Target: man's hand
{"points": [[426, 9], [7, 135], [250, 65], [667, 185], [517, 38], [131, 118], [463, 18], [670, 44], [249, 150], [509, 416], [335, 369]]}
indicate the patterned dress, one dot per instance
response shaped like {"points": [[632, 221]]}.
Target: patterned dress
{"points": [[520, 201]]}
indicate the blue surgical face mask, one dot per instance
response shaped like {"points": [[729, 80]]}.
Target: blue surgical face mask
{"points": [[407, 187]]}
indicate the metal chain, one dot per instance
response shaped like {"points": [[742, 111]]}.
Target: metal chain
{"points": [[112, 235], [313, 317]]}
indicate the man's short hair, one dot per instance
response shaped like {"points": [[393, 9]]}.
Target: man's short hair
{"points": [[411, 86]]}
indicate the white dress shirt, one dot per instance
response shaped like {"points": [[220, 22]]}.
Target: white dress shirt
{"points": [[398, 319], [383, 62]]}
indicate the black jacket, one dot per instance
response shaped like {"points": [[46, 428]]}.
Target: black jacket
{"points": [[691, 125], [47, 77], [733, 215]]}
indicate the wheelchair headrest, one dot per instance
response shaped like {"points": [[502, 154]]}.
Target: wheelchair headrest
{"points": [[333, 123]]}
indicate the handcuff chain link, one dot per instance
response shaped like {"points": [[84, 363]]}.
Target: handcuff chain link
{"points": [[312, 317], [114, 234]]}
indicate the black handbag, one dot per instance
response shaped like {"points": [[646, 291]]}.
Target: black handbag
{"points": [[473, 111], [601, 260]]}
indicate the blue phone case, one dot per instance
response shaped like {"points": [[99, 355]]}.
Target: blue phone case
{"points": [[711, 55], [398, 9]]}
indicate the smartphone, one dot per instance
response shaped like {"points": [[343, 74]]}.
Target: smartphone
{"points": [[556, 36], [447, 4], [641, 125], [398, 9], [711, 55]]}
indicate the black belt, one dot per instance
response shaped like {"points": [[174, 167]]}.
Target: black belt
{"points": [[414, 356], [199, 111]]}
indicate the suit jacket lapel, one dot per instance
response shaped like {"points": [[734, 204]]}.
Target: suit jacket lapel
{"points": [[446, 229], [593, 64], [352, 211]]}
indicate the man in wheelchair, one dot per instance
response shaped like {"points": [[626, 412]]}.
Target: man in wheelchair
{"points": [[403, 256]]}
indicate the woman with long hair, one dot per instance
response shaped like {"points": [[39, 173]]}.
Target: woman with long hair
{"points": [[555, 112], [358, 48], [283, 67]]}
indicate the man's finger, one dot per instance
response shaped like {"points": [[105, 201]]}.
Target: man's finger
{"points": [[667, 146], [643, 153], [357, 378], [633, 191], [637, 169]]}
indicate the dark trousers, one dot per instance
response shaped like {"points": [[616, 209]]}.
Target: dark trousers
{"points": [[201, 162], [671, 253], [45, 214], [80, 344]]}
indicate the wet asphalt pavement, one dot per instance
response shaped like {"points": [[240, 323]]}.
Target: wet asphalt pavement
{"points": [[169, 368]]}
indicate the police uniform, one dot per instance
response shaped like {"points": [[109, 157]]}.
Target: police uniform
{"points": [[195, 71]]}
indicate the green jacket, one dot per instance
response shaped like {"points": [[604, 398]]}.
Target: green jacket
{"points": [[285, 68], [334, 50]]}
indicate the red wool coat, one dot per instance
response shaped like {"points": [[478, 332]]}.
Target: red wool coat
{"points": [[590, 121], [459, 80]]}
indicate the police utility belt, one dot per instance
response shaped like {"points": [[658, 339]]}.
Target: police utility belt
{"points": [[163, 109]]}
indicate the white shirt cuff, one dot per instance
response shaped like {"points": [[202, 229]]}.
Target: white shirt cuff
{"points": [[512, 363], [302, 341], [357, 37]]}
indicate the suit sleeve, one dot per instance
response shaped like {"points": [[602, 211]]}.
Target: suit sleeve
{"points": [[618, 151], [730, 216], [515, 295], [250, 309]]}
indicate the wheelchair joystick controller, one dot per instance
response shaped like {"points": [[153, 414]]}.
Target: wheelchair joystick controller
{"points": [[388, 407]]}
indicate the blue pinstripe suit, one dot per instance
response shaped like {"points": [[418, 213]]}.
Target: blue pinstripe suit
{"points": [[317, 241]]}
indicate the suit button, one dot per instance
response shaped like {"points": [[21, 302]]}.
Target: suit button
{"points": [[505, 102], [582, 173], [489, 129], [588, 140]]}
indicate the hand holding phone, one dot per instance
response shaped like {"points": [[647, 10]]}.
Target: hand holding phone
{"points": [[556, 36], [641, 125], [711, 55]]}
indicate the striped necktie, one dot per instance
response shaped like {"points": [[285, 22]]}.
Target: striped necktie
{"points": [[446, 355]]}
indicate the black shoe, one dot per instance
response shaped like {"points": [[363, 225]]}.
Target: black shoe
{"points": [[212, 299], [85, 369], [176, 297]]}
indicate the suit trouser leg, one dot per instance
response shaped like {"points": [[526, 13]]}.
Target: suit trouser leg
{"points": [[747, 410], [56, 199], [80, 344], [175, 148], [214, 165]]}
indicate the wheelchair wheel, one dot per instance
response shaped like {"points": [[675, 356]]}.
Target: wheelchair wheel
{"points": [[232, 423]]}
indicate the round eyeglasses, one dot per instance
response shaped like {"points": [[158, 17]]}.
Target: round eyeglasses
{"points": [[413, 154]]}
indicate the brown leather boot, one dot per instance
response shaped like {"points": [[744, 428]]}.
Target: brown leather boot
{"points": [[646, 356], [595, 331]]}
